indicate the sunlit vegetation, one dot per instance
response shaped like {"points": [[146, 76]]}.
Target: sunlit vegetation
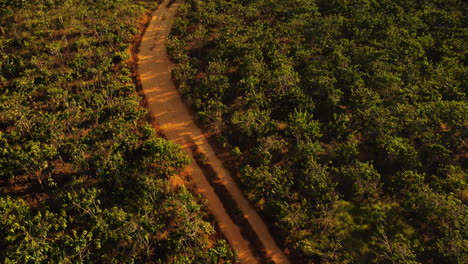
{"points": [[83, 176], [348, 119]]}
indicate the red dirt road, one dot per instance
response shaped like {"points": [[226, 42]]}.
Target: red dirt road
{"points": [[175, 120]]}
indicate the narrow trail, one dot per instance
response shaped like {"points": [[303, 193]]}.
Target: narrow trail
{"points": [[172, 115]]}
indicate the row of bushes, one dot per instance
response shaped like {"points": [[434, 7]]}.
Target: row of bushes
{"points": [[348, 120], [83, 176]]}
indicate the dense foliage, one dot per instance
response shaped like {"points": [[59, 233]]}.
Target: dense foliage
{"points": [[83, 177], [348, 118]]}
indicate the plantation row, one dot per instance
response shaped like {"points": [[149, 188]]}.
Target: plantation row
{"points": [[348, 119], [83, 177]]}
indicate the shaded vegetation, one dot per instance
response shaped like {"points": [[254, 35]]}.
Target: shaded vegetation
{"points": [[83, 177], [348, 119]]}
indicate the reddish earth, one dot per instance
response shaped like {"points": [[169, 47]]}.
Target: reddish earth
{"points": [[177, 123]]}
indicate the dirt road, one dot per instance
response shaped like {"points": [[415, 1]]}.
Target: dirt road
{"points": [[170, 112]]}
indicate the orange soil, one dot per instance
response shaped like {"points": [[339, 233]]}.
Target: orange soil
{"points": [[175, 120]]}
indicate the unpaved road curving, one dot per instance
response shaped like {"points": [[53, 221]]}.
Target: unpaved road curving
{"points": [[172, 115]]}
